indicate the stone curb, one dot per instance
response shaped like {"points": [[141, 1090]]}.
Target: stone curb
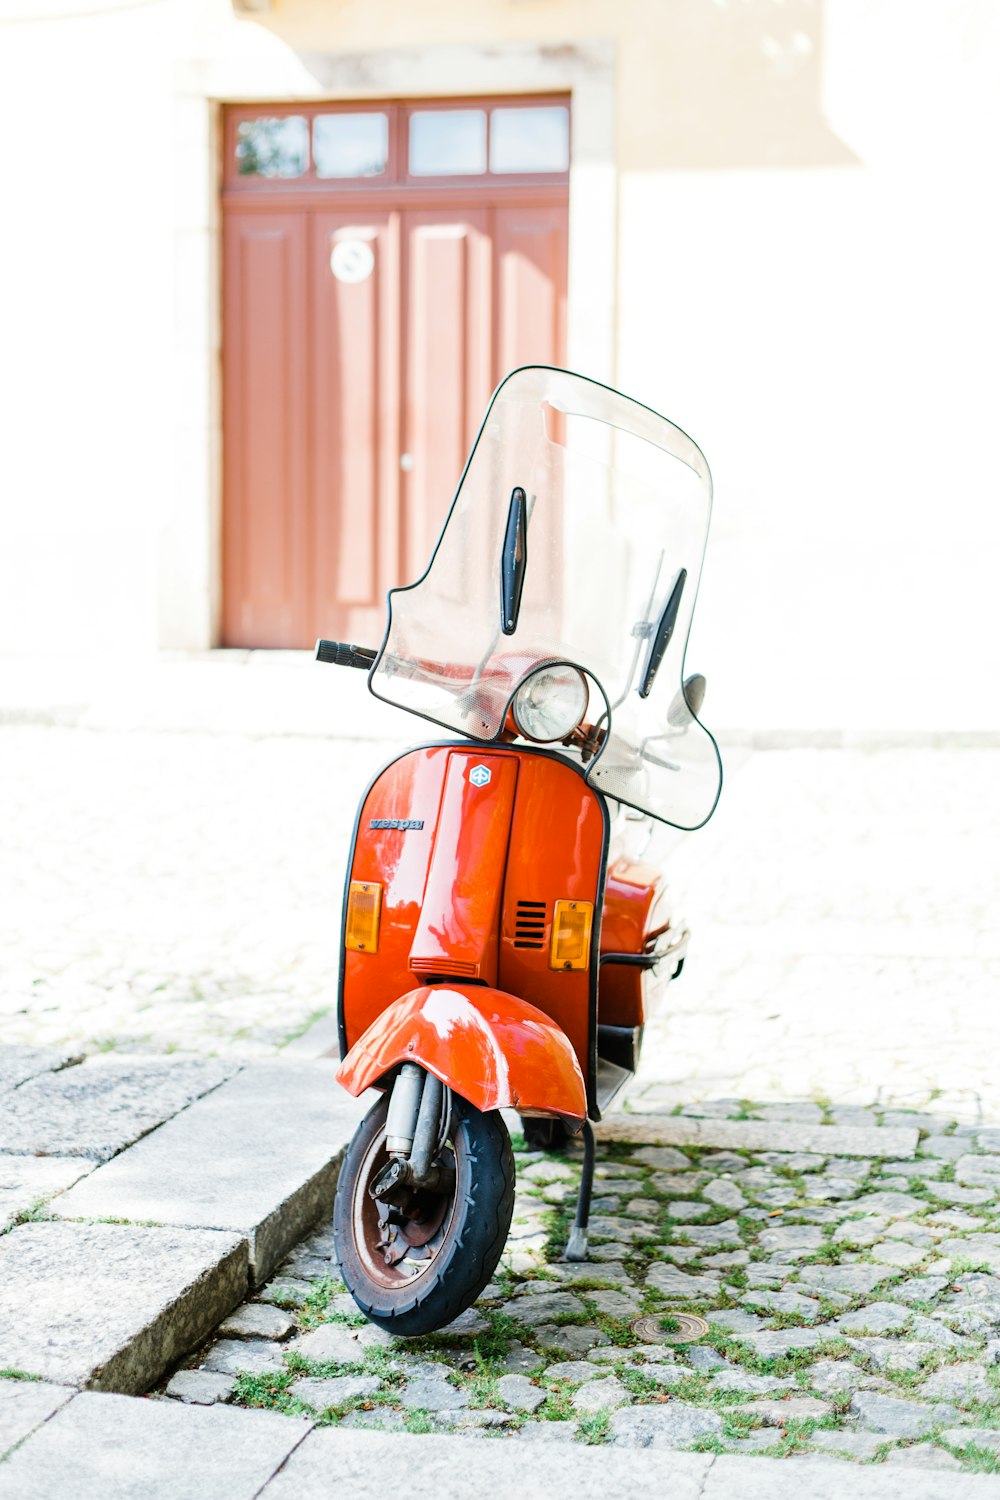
{"points": [[890, 1141], [112, 1306], [259, 1157]]}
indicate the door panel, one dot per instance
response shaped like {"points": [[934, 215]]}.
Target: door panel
{"points": [[446, 299], [265, 542], [530, 285], [354, 385]]}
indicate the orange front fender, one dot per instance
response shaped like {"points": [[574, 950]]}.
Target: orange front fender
{"points": [[495, 1050]]}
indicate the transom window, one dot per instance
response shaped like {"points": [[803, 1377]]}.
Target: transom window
{"points": [[459, 141]]}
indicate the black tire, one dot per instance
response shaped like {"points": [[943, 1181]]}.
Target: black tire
{"points": [[541, 1134], [421, 1295]]}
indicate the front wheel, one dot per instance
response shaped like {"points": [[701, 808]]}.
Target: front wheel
{"points": [[413, 1270]]}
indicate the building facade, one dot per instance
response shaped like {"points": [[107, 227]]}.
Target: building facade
{"points": [[265, 262]]}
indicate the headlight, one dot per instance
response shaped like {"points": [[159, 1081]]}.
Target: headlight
{"points": [[550, 704]]}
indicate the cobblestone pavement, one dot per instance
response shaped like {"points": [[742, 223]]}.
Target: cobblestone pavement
{"points": [[845, 907], [852, 1309], [171, 891], [167, 890]]}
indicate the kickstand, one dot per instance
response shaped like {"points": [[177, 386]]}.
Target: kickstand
{"points": [[576, 1248]]}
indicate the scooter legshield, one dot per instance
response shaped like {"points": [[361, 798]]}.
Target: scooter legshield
{"points": [[494, 1049]]}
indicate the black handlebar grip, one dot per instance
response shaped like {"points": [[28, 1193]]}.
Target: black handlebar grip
{"points": [[340, 654]]}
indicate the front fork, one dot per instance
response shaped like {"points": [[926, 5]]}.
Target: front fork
{"points": [[416, 1129]]}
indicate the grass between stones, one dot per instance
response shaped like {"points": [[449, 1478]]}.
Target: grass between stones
{"points": [[977, 1460], [481, 1360], [595, 1429]]}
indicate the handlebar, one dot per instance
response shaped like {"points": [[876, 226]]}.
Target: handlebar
{"points": [[340, 654]]}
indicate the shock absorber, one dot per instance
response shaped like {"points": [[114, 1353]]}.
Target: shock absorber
{"points": [[413, 1137], [404, 1108]]}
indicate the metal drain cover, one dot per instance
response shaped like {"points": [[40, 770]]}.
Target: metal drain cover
{"points": [[651, 1330]]}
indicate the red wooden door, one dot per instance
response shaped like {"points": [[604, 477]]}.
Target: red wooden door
{"points": [[266, 488], [365, 324]]}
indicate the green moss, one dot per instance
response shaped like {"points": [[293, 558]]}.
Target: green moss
{"points": [[709, 1442], [739, 1424], [316, 1307], [595, 1429], [419, 1421], [558, 1406], [495, 1343], [269, 1389], [7, 1372], [978, 1460]]}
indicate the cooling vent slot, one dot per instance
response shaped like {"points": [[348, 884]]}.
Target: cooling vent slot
{"points": [[529, 924], [458, 968]]}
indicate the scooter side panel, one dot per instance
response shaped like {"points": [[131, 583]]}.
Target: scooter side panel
{"points": [[635, 904], [393, 845], [494, 1049]]}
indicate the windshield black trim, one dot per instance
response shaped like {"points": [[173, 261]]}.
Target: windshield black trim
{"points": [[664, 631], [514, 561]]}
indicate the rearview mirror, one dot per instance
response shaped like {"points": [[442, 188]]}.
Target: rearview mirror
{"points": [[686, 703]]}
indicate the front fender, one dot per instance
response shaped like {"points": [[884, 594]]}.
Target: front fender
{"points": [[495, 1050]]}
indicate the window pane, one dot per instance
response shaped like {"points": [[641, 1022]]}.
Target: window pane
{"points": [[272, 148], [530, 140], [347, 145], [447, 142]]}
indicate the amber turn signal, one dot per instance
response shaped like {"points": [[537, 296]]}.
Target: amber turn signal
{"points": [[571, 924], [364, 908]]}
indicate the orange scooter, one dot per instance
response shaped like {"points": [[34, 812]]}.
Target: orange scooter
{"points": [[502, 947]]}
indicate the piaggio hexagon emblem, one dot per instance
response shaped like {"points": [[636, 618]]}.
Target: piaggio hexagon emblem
{"points": [[480, 775]]}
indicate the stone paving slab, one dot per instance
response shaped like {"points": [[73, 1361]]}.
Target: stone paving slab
{"points": [[103, 1105], [737, 1478], [757, 1135], [258, 1156], [27, 1181], [330, 1464], [25, 1405], [18, 1064], [112, 1306], [104, 1447]]}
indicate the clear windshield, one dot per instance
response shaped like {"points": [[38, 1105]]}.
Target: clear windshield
{"points": [[617, 505]]}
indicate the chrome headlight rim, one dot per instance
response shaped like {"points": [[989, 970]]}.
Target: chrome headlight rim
{"points": [[531, 681]]}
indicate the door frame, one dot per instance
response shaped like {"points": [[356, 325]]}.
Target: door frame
{"points": [[189, 602]]}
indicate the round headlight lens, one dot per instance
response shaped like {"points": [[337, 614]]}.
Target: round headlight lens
{"points": [[550, 704]]}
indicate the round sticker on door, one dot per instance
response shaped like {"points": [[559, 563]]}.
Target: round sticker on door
{"points": [[352, 260]]}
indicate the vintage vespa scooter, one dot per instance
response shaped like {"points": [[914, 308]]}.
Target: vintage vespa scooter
{"points": [[501, 948]]}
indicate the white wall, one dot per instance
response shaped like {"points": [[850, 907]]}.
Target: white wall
{"points": [[827, 330], [85, 289], [829, 334]]}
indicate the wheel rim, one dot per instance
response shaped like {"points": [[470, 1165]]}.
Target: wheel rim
{"points": [[396, 1255]]}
